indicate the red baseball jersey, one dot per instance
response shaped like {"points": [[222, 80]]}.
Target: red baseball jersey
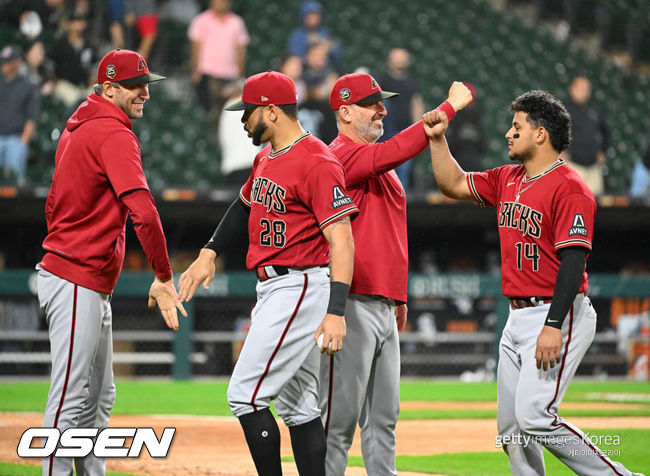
{"points": [[537, 216], [293, 195], [97, 162], [381, 250]]}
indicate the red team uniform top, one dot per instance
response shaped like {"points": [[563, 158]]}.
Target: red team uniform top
{"points": [[381, 253], [97, 162], [293, 194], [537, 216]]}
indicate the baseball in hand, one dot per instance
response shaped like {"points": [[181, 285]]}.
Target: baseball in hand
{"points": [[319, 341]]}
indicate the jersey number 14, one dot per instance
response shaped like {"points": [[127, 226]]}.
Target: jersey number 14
{"points": [[528, 251]]}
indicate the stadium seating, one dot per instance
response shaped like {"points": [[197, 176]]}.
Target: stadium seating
{"points": [[467, 40]]}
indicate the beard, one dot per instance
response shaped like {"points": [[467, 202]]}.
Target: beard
{"points": [[369, 131], [258, 132], [523, 155]]}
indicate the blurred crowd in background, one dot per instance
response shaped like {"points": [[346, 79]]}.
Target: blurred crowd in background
{"points": [[50, 49]]}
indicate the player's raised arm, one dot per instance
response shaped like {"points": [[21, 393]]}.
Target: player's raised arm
{"points": [[451, 178], [339, 236], [232, 227]]}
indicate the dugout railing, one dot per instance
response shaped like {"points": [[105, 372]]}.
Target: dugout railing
{"points": [[461, 343]]}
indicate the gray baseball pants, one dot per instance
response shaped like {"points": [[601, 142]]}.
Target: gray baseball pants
{"points": [[82, 392], [528, 398], [360, 384]]}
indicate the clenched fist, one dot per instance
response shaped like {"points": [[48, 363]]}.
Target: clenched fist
{"points": [[459, 95]]}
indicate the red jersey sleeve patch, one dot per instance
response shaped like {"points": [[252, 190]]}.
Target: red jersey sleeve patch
{"points": [[574, 221], [328, 197]]}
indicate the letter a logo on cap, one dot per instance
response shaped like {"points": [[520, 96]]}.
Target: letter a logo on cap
{"points": [[141, 64]]}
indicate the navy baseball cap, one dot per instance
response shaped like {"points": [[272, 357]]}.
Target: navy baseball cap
{"points": [[10, 53]]}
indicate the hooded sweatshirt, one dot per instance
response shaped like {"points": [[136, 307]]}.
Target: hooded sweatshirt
{"points": [[98, 179]]}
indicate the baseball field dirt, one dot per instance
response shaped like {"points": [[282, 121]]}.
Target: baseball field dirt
{"points": [[215, 445]]}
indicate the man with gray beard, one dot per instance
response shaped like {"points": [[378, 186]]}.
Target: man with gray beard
{"points": [[360, 383]]}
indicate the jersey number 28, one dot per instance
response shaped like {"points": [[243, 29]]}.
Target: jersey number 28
{"points": [[272, 232]]}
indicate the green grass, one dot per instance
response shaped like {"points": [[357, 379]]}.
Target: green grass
{"points": [[7, 469], [209, 398], [136, 397]]}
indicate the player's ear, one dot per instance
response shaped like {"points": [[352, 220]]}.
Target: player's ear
{"points": [[345, 114], [272, 110], [541, 135]]}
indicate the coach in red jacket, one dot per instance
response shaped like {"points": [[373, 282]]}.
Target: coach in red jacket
{"points": [[98, 181], [360, 383]]}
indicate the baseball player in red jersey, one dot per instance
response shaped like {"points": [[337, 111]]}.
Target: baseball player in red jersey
{"points": [[545, 214], [98, 180], [297, 213], [360, 384]]}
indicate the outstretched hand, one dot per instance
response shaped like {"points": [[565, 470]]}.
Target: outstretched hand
{"points": [[163, 293], [201, 271]]}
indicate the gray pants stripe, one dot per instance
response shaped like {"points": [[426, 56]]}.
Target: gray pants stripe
{"points": [[277, 347], [67, 372]]}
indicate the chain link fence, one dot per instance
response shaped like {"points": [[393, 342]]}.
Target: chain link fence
{"points": [[453, 328]]}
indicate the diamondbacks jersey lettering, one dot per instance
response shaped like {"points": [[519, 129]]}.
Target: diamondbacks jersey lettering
{"points": [[537, 216], [293, 195]]}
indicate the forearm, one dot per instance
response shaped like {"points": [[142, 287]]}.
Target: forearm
{"points": [[451, 178], [404, 146], [567, 283], [28, 131], [148, 228], [241, 59], [339, 236], [232, 228]]}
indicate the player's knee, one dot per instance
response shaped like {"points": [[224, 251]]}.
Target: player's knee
{"points": [[241, 406], [529, 422], [292, 416], [107, 399]]}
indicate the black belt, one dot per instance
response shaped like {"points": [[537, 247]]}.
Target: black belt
{"points": [[522, 302], [273, 271]]}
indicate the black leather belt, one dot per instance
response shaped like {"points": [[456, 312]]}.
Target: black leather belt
{"points": [[273, 271], [522, 302]]}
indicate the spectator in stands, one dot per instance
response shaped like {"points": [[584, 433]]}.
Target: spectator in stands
{"points": [[641, 176], [405, 109], [219, 38], [116, 13], [143, 14], [316, 67], [292, 67], [30, 17], [465, 135], [74, 60], [586, 153], [20, 111], [237, 150], [311, 31], [39, 68], [315, 114]]}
